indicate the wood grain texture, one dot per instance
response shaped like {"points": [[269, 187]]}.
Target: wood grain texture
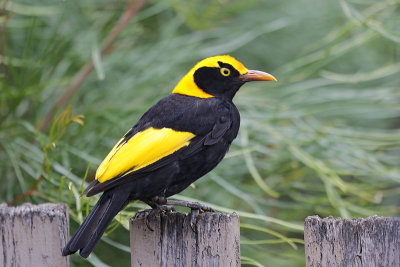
{"points": [[33, 235], [373, 241], [215, 241]]}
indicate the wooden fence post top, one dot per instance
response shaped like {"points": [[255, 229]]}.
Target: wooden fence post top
{"points": [[45, 209], [372, 241], [204, 217], [371, 219], [213, 241]]}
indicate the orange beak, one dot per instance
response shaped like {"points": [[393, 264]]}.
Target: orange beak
{"points": [[256, 75]]}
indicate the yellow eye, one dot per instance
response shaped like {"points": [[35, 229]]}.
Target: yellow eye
{"points": [[225, 71]]}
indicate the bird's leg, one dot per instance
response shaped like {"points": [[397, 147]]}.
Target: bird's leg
{"points": [[154, 202], [191, 205], [195, 207], [158, 206]]}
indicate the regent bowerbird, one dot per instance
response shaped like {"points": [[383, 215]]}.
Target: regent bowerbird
{"points": [[177, 141]]}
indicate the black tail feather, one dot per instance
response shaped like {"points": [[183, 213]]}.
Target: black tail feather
{"points": [[95, 224]]}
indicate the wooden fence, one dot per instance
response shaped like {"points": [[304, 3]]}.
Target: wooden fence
{"points": [[374, 241], [213, 241], [33, 235]]}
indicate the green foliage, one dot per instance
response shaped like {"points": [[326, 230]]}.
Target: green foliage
{"points": [[323, 140]]}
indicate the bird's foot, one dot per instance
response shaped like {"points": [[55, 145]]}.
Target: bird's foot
{"points": [[155, 202], [155, 212], [196, 209], [191, 205]]}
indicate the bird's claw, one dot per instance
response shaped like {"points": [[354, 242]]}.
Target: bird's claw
{"points": [[193, 218], [196, 209], [156, 211]]}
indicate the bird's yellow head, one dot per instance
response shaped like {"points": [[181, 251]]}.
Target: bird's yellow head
{"points": [[220, 76]]}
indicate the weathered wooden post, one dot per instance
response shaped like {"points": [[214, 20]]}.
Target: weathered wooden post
{"points": [[374, 241], [33, 235], [213, 241]]}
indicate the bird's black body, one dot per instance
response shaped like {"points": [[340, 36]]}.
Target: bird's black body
{"points": [[214, 121], [201, 108]]}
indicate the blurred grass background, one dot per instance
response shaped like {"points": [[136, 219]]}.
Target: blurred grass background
{"points": [[323, 140]]}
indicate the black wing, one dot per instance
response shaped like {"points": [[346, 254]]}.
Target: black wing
{"points": [[209, 119]]}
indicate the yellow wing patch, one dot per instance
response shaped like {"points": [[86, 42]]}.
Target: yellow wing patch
{"points": [[143, 149]]}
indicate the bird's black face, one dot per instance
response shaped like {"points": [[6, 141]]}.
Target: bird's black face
{"points": [[223, 82]]}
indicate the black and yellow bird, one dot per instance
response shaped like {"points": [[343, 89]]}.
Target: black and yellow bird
{"points": [[178, 140]]}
